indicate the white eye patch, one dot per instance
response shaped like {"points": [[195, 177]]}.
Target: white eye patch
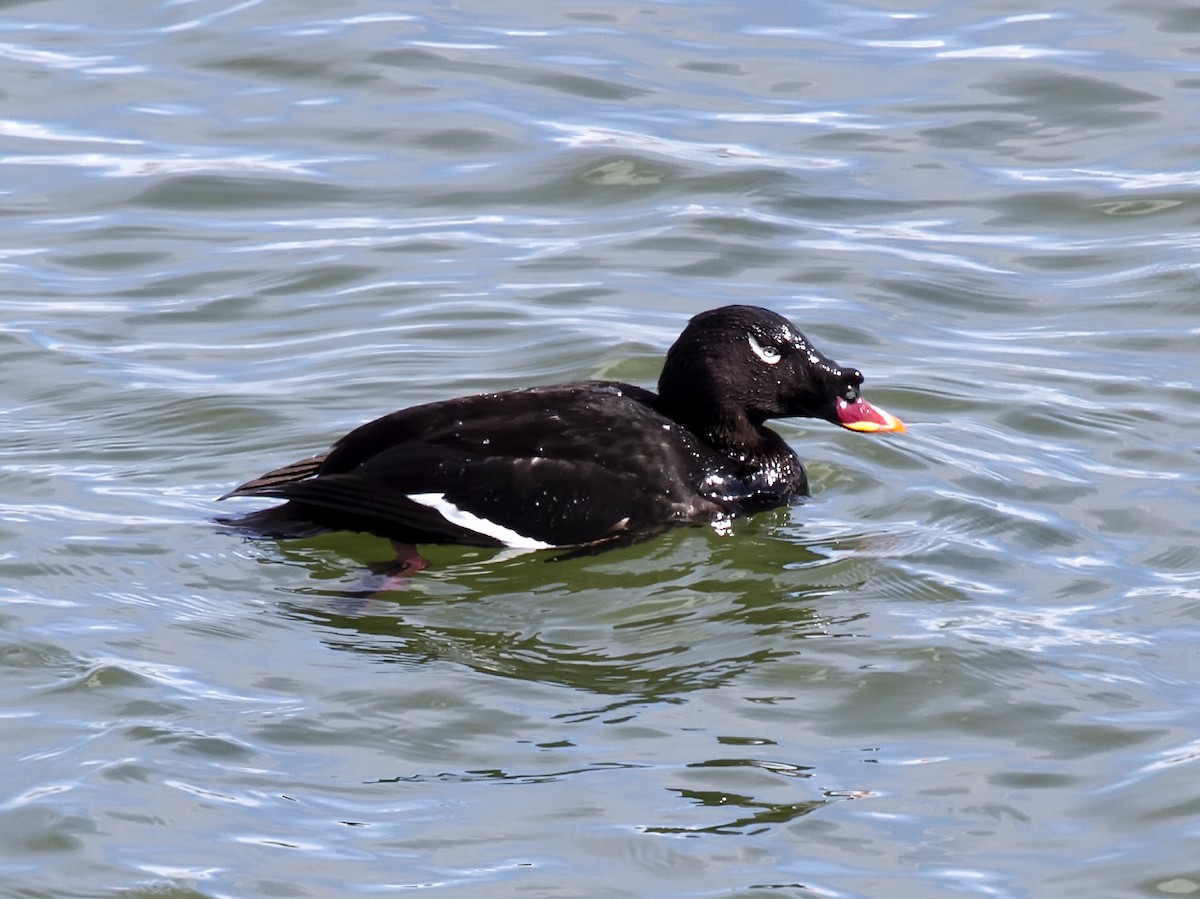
{"points": [[767, 354]]}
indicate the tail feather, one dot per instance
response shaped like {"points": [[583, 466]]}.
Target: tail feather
{"points": [[281, 522], [264, 485]]}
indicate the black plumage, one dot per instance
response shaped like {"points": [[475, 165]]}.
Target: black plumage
{"points": [[581, 463]]}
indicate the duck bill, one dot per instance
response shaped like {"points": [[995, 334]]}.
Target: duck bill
{"points": [[859, 415]]}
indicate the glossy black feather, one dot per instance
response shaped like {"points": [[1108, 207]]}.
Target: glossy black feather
{"points": [[579, 463]]}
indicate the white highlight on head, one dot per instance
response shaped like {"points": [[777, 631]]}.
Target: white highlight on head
{"points": [[767, 354], [472, 522]]}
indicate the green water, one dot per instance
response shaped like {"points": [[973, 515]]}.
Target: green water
{"points": [[966, 666]]}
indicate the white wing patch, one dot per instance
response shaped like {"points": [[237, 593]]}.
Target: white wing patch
{"points": [[472, 522], [767, 354]]}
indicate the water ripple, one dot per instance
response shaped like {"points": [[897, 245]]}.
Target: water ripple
{"points": [[233, 230]]}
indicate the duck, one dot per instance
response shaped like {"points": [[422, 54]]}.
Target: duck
{"points": [[584, 464]]}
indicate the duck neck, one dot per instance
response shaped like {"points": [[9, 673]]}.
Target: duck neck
{"points": [[692, 394], [764, 463], [731, 432]]}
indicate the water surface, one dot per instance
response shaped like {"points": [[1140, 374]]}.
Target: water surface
{"points": [[967, 665]]}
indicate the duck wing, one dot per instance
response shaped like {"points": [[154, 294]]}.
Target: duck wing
{"points": [[536, 468]]}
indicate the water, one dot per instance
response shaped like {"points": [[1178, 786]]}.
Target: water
{"points": [[230, 232]]}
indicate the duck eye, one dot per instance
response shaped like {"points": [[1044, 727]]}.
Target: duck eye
{"points": [[768, 354], [850, 394]]}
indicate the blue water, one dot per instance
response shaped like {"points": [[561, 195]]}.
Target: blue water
{"points": [[966, 665]]}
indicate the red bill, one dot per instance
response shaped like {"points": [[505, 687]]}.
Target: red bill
{"points": [[859, 415]]}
